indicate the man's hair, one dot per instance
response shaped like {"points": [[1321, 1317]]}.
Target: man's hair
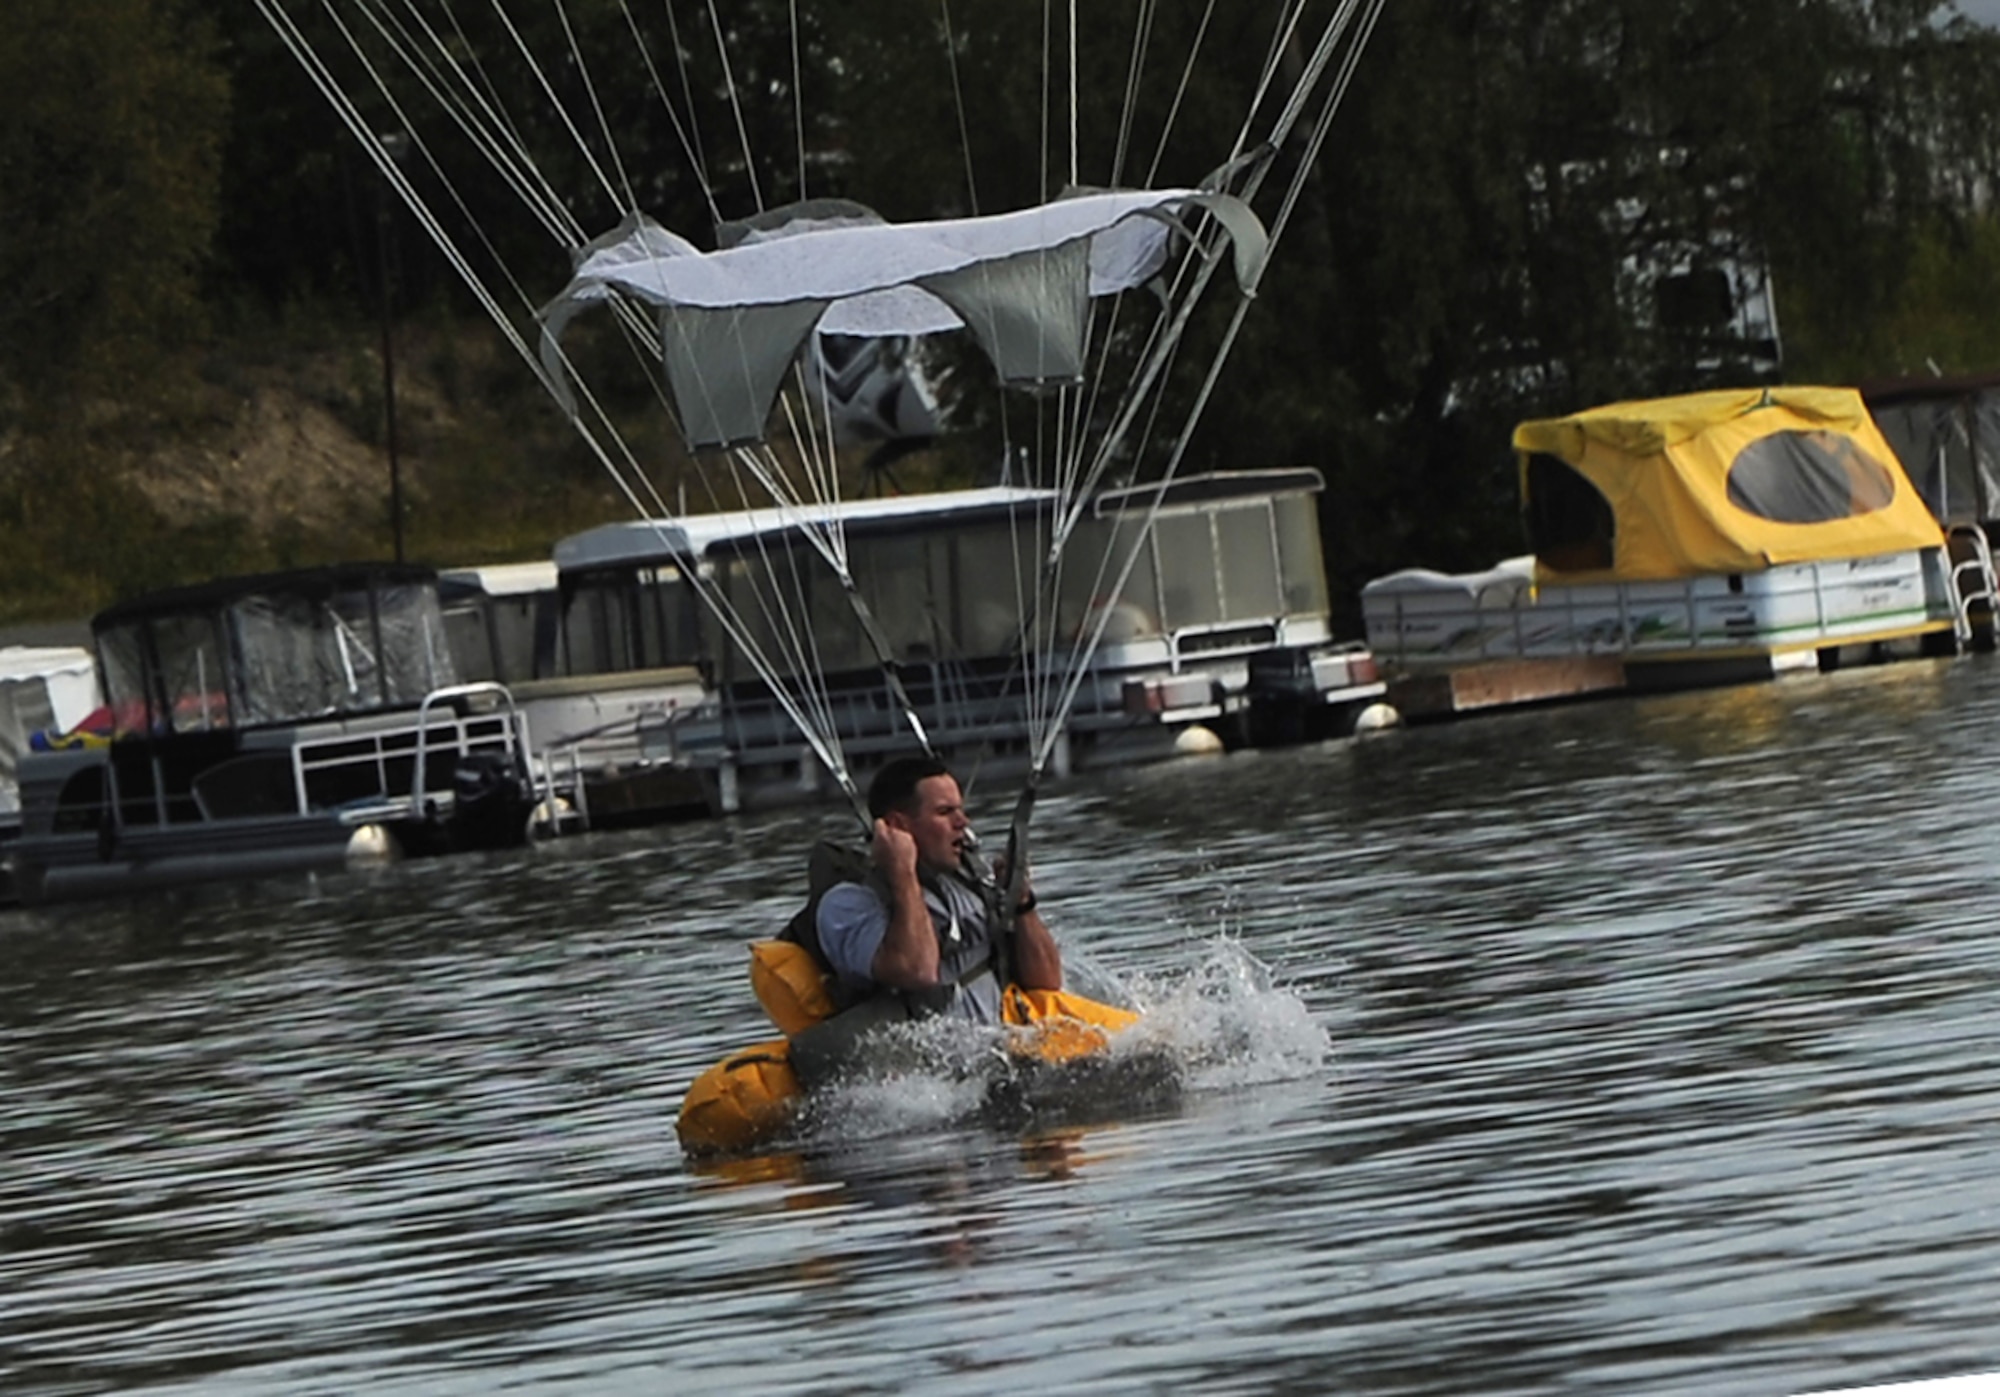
{"points": [[895, 785]]}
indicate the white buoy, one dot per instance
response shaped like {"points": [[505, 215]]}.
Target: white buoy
{"points": [[551, 813], [1376, 717], [1194, 740], [372, 844]]}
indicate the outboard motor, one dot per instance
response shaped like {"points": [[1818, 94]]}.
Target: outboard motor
{"points": [[491, 802]]}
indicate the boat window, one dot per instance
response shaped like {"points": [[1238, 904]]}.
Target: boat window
{"points": [[1808, 478], [284, 673], [348, 633], [588, 628], [669, 630], [405, 653], [895, 577], [1190, 587], [1248, 550], [1097, 553], [120, 655], [836, 638], [1301, 556], [795, 611], [193, 677], [757, 622], [1570, 525], [986, 604], [465, 627]]}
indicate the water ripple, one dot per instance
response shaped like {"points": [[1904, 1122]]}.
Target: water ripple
{"points": [[1644, 1046]]}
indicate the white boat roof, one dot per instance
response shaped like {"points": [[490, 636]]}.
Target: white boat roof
{"points": [[646, 540], [44, 661], [505, 579], [1508, 572]]}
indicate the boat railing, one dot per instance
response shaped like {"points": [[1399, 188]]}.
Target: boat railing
{"points": [[1973, 583], [516, 747], [359, 771], [956, 703]]}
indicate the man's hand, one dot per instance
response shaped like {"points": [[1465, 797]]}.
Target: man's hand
{"points": [[908, 955], [1000, 876], [894, 851]]}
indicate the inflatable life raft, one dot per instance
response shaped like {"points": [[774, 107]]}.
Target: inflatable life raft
{"points": [[750, 1096]]}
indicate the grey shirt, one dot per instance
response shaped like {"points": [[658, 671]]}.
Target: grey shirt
{"points": [[853, 921]]}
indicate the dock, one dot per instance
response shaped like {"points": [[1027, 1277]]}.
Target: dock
{"points": [[1503, 684]]}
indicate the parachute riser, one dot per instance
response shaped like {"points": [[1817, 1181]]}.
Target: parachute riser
{"points": [[1003, 895], [885, 657]]}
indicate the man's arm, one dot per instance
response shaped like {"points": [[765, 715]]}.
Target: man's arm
{"points": [[1037, 959], [907, 959]]}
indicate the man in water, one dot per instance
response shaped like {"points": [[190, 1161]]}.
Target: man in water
{"points": [[919, 924]]}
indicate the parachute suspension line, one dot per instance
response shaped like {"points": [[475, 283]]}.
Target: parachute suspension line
{"points": [[486, 97], [551, 214], [1164, 342], [688, 146], [791, 623], [1048, 472], [694, 114], [958, 101], [562, 112], [1281, 38], [1074, 177], [1051, 441], [801, 699], [428, 73], [818, 452], [735, 106], [1337, 25], [630, 201], [798, 99], [1178, 450], [1180, 93], [806, 708], [1048, 59], [349, 115], [1142, 39], [828, 538], [799, 642], [1073, 427]]}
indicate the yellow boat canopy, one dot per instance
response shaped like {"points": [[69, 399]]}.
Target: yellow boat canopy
{"points": [[1720, 482]]}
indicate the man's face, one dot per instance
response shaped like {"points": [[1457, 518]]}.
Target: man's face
{"points": [[937, 821]]}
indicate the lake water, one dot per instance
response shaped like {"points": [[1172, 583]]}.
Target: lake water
{"points": [[1641, 1046]]}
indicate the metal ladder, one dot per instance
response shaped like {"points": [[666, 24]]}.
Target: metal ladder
{"points": [[1974, 583]]}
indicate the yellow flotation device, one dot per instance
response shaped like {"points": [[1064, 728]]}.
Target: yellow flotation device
{"points": [[753, 1094], [747, 1097]]}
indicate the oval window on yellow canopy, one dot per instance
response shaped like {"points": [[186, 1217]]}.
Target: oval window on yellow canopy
{"points": [[1808, 478]]}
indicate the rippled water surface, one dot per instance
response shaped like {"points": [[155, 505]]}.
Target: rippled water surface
{"points": [[1643, 1046]]}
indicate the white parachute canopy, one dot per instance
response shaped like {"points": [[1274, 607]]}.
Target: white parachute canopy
{"points": [[732, 321]]}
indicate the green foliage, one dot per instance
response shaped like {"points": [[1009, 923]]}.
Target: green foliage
{"points": [[1467, 252], [109, 159]]}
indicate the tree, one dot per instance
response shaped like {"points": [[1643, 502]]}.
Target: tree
{"points": [[109, 162]]}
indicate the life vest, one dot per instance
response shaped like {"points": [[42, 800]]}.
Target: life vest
{"points": [[799, 988]]}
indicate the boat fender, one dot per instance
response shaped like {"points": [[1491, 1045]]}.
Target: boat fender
{"points": [[743, 1099]]}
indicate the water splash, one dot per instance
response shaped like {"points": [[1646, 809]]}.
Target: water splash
{"points": [[1227, 1022], [1219, 1024]]}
